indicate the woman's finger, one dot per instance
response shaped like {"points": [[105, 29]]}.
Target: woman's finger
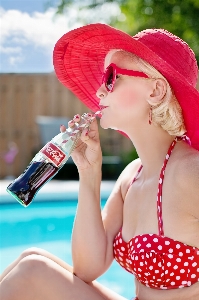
{"points": [[93, 130], [88, 138], [62, 128], [76, 118], [85, 136]]}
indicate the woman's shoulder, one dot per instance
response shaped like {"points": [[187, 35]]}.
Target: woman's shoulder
{"points": [[131, 169], [128, 175]]}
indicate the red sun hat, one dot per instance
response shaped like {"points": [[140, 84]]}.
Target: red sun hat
{"points": [[79, 55]]}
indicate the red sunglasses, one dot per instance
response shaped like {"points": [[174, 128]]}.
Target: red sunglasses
{"points": [[109, 76]]}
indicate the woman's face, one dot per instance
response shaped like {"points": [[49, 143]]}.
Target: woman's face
{"points": [[127, 104]]}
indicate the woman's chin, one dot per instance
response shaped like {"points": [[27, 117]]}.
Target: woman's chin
{"points": [[104, 124], [107, 125]]}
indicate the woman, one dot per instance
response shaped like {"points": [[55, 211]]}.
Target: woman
{"points": [[150, 221]]}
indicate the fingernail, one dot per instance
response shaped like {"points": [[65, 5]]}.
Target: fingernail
{"points": [[86, 133], [76, 117]]}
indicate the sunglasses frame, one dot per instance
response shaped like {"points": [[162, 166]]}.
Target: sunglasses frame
{"points": [[115, 72]]}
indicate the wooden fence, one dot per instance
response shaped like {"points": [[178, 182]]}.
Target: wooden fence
{"points": [[22, 98]]}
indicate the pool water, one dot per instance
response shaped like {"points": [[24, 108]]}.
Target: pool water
{"points": [[48, 225]]}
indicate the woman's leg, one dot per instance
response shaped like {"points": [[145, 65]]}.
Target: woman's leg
{"points": [[38, 277], [38, 251]]}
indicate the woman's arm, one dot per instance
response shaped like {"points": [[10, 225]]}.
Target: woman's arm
{"points": [[92, 239], [94, 231], [91, 246]]}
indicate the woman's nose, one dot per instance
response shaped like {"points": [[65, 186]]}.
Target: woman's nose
{"points": [[101, 92]]}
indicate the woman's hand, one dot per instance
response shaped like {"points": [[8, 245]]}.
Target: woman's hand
{"points": [[87, 153]]}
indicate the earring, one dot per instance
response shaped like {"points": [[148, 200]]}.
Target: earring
{"points": [[150, 115]]}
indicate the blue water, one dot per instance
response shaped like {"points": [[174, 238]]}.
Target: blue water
{"points": [[48, 225]]}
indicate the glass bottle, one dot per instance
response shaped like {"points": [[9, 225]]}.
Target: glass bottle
{"points": [[47, 162]]}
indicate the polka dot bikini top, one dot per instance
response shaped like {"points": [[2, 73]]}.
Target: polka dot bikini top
{"points": [[156, 260]]}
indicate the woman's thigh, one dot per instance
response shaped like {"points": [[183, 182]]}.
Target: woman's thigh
{"points": [[37, 251], [39, 277], [104, 291]]}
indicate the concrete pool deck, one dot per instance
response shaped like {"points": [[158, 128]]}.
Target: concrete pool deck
{"points": [[55, 190]]}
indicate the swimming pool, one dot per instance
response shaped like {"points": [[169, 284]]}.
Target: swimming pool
{"points": [[48, 225]]}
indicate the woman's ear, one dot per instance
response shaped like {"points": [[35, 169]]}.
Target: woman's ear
{"points": [[159, 90]]}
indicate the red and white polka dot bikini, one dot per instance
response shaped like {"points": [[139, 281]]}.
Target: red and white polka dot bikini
{"points": [[156, 260]]}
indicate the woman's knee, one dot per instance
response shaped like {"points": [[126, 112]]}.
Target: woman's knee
{"points": [[31, 251], [33, 266], [29, 271]]}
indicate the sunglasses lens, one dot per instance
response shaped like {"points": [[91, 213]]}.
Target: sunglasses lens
{"points": [[109, 78]]}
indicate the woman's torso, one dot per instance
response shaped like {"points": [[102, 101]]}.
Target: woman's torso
{"points": [[141, 217]]}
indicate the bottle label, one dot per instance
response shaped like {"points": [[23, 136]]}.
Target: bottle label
{"points": [[53, 153]]}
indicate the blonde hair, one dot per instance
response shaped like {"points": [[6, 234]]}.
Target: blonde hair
{"points": [[168, 113]]}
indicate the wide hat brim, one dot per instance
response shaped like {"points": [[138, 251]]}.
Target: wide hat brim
{"points": [[78, 59]]}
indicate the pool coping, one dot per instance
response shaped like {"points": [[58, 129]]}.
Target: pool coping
{"points": [[55, 189]]}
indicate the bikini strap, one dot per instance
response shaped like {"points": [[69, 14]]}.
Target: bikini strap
{"points": [[161, 179], [136, 176], [184, 138]]}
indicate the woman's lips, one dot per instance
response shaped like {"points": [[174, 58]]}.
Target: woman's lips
{"points": [[103, 107]]}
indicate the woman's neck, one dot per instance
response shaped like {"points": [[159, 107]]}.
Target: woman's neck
{"points": [[152, 146]]}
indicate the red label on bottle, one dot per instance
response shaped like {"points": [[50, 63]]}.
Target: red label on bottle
{"points": [[55, 154]]}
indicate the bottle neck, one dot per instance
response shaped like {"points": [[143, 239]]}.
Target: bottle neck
{"points": [[85, 120]]}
